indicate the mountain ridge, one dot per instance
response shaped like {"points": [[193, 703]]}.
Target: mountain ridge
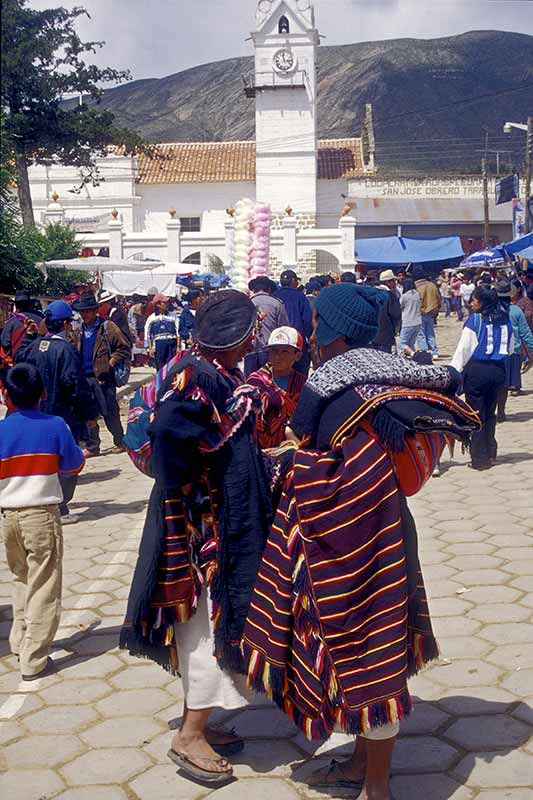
{"points": [[423, 91]]}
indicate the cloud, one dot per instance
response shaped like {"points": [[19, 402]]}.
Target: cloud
{"points": [[161, 37]]}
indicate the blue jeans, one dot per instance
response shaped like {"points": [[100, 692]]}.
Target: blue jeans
{"points": [[426, 339], [447, 306], [408, 336]]}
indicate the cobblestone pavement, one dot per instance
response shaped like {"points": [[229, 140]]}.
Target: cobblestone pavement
{"points": [[98, 729]]}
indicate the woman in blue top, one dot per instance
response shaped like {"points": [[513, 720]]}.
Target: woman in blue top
{"points": [[485, 345]]}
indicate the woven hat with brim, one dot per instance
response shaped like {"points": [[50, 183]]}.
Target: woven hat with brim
{"points": [[58, 311], [87, 302], [387, 275], [23, 296], [225, 320], [105, 297], [350, 311]]}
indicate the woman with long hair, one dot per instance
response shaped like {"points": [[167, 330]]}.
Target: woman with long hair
{"points": [[482, 355]]}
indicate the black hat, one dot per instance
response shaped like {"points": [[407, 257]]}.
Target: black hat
{"points": [[262, 284], [225, 320], [287, 277], [87, 302], [23, 296]]}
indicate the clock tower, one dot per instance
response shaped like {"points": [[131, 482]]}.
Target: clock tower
{"points": [[285, 92]]}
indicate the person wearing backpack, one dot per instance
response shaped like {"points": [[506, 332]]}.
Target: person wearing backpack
{"points": [[67, 393], [15, 328], [481, 355], [103, 349]]}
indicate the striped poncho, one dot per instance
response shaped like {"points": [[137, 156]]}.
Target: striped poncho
{"points": [[339, 618]]}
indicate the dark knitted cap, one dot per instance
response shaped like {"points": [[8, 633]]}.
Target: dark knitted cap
{"points": [[225, 320], [349, 310]]}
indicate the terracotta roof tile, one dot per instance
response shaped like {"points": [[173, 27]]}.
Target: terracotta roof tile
{"points": [[222, 162]]}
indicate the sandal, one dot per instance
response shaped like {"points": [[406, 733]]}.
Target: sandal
{"points": [[225, 748], [196, 773], [333, 775]]}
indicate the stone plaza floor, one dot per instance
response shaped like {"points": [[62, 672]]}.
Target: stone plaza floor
{"points": [[98, 729]]}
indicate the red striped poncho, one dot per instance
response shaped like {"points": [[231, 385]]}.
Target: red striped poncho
{"points": [[338, 620]]}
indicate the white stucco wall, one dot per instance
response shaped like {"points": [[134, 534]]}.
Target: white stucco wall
{"points": [[205, 200]]}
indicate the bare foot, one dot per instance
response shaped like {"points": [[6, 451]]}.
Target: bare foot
{"points": [[200, 753]]}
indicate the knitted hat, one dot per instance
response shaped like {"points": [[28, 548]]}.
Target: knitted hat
{"points": [[349, 310]]}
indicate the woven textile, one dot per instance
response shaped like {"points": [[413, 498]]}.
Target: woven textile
{"points": [[277, 405], [328, 635]]}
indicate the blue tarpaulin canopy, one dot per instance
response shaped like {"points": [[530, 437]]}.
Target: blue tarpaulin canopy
{"points": [[400, 250], [515, 247], [527, 253]]}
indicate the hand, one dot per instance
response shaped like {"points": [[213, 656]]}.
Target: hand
{"points": [[31, 326]]}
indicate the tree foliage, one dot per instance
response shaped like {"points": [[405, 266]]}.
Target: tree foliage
{"points": [[22, 248], [43, 60]]}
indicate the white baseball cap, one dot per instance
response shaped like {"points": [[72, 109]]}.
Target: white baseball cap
{"points": [[286, 337]]}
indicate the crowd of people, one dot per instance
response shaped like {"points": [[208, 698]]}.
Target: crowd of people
{"points": [[284, 437]]}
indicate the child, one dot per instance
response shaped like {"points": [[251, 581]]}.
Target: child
{"points": [[34, 450], [161, 332], [280, 386]]}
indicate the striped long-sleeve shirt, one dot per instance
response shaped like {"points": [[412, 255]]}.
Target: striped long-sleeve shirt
{"points": [[34, 449]]}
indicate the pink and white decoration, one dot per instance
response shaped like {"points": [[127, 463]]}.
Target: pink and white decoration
{"points": [[251, 243]]}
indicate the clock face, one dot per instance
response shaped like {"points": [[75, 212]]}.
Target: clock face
{"points": [[284, 61]]}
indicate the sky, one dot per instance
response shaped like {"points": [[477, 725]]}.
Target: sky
{"points": [[155, 38]]}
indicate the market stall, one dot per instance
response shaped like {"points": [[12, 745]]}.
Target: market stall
{"points": [[400, 251]]}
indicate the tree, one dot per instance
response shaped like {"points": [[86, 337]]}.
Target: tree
{"points": [[42, 61], [22, 248]]}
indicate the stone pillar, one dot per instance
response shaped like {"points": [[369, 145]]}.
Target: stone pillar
{"points": [[347, 225], [115, 236], [55, 213], [229, 231], [290, 245], [173, 238]]}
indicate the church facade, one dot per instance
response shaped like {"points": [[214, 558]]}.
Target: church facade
{"points": [[287, 166]]}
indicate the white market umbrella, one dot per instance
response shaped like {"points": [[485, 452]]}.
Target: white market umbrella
{"points": [[98, 264]]}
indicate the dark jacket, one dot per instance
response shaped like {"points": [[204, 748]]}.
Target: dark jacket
{"points": [[390, 321], [119, 316], [186, 325], [13, 331], [67, 392], [297, 308], [110, 348]]}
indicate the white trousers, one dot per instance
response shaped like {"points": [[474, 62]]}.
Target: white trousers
{"points": [[382, 733], [205, 684]]}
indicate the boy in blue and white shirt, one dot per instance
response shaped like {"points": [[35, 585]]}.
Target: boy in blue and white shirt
{"points": [[35, 449], [486, 344], [161, 332]]}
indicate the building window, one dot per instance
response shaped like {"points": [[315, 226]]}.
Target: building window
{"points": [[194, 258], [284, 26], [190, 224]]}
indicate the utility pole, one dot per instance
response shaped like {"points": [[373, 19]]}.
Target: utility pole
{"points": [[529, 148], [486, 224]]}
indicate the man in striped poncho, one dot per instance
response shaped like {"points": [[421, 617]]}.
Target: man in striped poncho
{"points": [[339, 618]]}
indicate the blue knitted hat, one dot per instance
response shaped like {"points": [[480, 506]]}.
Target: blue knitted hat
{"points": [[349, 310]]}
